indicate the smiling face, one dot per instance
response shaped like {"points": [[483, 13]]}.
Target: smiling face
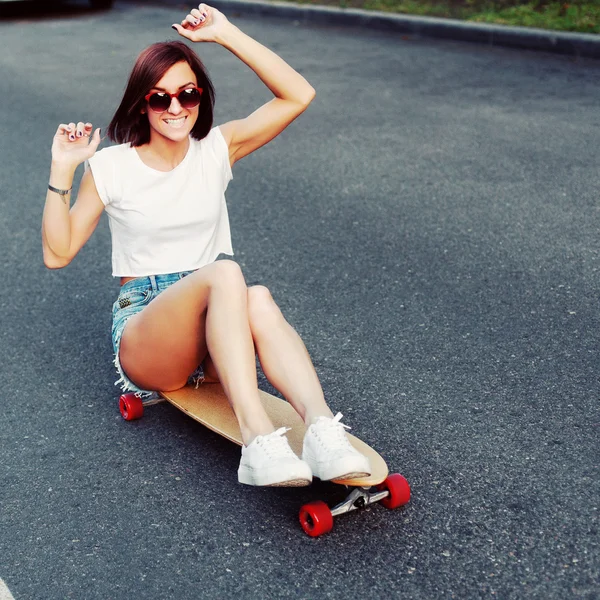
{"points": [[176, 122]]}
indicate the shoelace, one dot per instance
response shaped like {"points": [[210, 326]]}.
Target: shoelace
{"points": [[330, 433], [275, 443]]}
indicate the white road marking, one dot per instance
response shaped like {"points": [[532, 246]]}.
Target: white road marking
{"points": [[4, 592]]}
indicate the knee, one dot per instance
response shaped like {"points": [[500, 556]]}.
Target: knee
{"points": [[228, 274], [262, 310]]}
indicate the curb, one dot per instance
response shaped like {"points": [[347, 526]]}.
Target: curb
{"points": [[571, 44], [5, 592]]}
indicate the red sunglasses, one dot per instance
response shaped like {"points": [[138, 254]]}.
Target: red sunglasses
{"points": [[160, 101]]}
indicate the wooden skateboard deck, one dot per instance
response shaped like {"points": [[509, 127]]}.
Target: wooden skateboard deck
{"points": [[208, 405]]}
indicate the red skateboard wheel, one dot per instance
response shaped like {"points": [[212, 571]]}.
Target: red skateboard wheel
{"points": [[131, 406], [316, 518], [399, 491]]}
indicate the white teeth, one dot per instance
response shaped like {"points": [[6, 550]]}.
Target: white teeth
{"points": [[175, 122]]}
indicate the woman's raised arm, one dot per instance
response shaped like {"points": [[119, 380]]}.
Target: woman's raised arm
{"points": [[292, 92], [65, 230]]}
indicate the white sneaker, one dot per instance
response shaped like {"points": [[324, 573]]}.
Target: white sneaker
{"points": [[269, 460], [329, 452]]}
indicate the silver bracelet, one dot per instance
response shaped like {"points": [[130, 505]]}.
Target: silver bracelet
{"points": [[62, 193], [57, 191]]}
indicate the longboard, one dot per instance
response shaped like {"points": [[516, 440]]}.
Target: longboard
{"points": [[207, 404]]}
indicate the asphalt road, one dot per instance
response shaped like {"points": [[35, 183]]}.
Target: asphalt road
{"points": [[430, 226]]}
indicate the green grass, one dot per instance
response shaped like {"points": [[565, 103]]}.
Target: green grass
{"points": [[576, 15]]}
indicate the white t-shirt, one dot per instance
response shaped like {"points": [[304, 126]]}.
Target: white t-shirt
{"points": [[165, 222]]}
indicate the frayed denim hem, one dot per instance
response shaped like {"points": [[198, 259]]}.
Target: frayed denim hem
{"points": [[124, 382], [197, 377]]}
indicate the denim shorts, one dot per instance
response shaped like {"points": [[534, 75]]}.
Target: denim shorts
{"points": [[133, 297]]}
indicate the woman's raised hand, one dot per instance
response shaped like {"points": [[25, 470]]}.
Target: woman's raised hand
{"points": [[202, 24], [74, 144]]}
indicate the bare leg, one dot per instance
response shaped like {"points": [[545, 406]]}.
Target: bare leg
{"points": [[283, 356], [286, 363], [204, 312]]}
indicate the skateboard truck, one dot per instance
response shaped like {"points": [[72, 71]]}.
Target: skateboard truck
{"points": [[316, 517], [358, 498]]}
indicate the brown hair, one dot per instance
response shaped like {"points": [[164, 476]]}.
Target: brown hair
{"points": [[128, 124]]}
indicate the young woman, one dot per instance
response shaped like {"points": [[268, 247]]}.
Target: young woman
{"points": [[163, 188]]}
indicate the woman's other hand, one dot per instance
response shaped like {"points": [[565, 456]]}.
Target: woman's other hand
{"points": [[202, 24], [74, 144]]}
